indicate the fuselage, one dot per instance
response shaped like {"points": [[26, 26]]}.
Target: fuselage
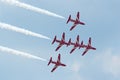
{"points": [[77, 21], [62, 42], [90, 47], [58, 63], [75, 44]]}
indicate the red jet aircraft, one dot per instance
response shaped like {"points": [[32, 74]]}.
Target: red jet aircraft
{"points": [[76, 45], [76, 22], [88, 47], [57, 63], [61, 42]]}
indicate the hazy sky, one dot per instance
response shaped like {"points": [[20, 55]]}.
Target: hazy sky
{"points": [[102, 24]]}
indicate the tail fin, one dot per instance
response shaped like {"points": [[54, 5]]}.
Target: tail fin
{"points": [[78, 38], [89, 41], [69, 19], [69, 42], [78, 15], [81, 45], [90, 44], [50, 61], [63, 36], [54, 39]]}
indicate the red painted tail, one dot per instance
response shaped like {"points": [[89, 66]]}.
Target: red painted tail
{"points": [[69, 42], [78, 38], [78, 15], [81, 45], [63, 36]]}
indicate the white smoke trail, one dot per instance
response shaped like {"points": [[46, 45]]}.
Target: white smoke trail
{"points": [[32, 8], [16, 52], [20, 30]]}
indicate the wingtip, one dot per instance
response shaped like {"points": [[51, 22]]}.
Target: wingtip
{"points": [[59, 54]]}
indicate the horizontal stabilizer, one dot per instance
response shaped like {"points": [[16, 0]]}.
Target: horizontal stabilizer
{"points": [[50, 61], [54, 39], [69, 19]]}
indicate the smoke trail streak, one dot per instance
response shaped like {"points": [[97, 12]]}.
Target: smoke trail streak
{"points": [[20, 30], [16, 52], [32, 8]]}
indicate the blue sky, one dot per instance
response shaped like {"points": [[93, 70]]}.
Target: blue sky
{"points": [[102, 24]]}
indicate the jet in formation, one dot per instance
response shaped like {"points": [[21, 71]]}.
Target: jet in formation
{"points": [[88, 47], [76, 21], [61, 42], [76, 44], [57, 63]]}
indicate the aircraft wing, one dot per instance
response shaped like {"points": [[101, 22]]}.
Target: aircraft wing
{"points": [[54, 68], [86, 50], [58, 47], [73, 50], [74, 25]]}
